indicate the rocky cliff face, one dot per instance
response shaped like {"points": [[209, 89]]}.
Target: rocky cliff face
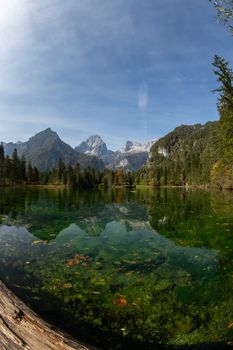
{"points": [[94, 145]]}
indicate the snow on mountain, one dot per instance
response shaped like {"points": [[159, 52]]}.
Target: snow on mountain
{"points": [[94, 145], [122, 163], [132, 156], [136, 147]]}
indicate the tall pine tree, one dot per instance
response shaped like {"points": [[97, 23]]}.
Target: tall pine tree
{"points": [[225, 106]]}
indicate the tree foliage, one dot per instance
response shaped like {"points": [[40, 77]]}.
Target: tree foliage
{"points": [[222, 170], [225, 11], [225, 106], [182, 157], [15, 171], [12, 170]]}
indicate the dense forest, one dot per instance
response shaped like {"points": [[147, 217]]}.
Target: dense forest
{"points": [[75, 177], [182, 157], [14, 171]]}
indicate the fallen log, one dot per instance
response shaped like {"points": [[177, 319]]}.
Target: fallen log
{"points": [[22, 329]]}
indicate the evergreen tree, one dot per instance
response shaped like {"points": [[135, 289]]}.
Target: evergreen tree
{"points": [[2, 161], [2, 155], [71, 179], [225, 106], [30, 173], [7, 169], [22, 169], [15, 169], [61, 171], [35, 175]]}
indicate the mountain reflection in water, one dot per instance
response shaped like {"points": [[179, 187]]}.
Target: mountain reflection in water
{"points": [[140, 268]]}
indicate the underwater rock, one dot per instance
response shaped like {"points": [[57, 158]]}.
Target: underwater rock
{"points": [[185, 324], [147, 265], [164, 285]]}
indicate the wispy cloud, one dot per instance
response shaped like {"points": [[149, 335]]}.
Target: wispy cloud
{"points": [[143, 97]]}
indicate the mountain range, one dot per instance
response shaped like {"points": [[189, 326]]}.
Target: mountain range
{"points": [[45, 149], [187, 147], [132, 156]]}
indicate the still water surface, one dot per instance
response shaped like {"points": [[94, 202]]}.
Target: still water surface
{"points": [[123, 270]]}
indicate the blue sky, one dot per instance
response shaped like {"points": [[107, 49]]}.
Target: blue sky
{"points": [[123, 69]]}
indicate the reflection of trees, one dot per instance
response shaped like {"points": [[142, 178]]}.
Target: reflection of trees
{"points": [[222, 207], [11, 202], [188, 217], [172, 207], [195, 218], [47, 211], [222, 204]]}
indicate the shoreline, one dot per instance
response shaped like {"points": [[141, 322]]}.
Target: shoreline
{"points": [[120, 187]]}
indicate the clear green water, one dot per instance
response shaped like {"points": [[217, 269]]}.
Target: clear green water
{"points": [[123, 270]]}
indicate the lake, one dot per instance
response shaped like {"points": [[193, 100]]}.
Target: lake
{"points": [[123, 269]]}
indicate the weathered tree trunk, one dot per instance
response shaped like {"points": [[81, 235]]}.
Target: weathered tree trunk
{"points": [[22, 329]]}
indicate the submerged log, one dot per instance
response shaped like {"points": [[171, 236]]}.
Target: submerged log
{"points": [[22, 329]]}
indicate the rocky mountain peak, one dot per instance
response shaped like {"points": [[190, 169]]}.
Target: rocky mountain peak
{"points": [[127, 147], [94, 138], [94, 145], [45, 134], [131, 156], [43, 139]]}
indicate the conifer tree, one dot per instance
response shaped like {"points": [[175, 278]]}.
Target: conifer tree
{"points": [[15, 167], [29, 173], [225, 106], [2, 160]]}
